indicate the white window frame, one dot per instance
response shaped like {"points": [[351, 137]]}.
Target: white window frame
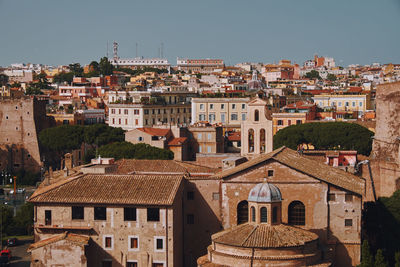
{"points": [[129, 243], [112, 242], [160, 262], [155, 243], [132, 261]]}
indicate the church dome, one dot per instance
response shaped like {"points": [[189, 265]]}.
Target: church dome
{"points": [[265, 192]]}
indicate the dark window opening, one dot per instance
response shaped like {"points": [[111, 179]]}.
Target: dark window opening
{"points": [[190, 195], [190, 219], [100, 213], [297, 213], [253, 214], [129, 214], [77, 213], [348, 198], [348, 222], [242, 212], [331, 197], [270, 173], [47, 217], [153, 214], [159, 243], [275, 214], [133, 242], [263, 215], [108, 242]]}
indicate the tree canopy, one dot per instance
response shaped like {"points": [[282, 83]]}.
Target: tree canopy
{"points": [[105, 67], [119, 150], [331, 77], [326, 136], [62, 138], [3, 79], [313, 75], [63, 77], [102, 134]]}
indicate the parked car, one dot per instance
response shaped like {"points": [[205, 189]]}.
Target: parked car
{"points": [[6, 252], [12, 242], [4, 261]]}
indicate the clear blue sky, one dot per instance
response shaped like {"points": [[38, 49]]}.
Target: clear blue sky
{"points": [[61, 32]]}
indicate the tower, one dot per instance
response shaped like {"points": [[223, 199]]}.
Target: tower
{"points": [[115, 50]]}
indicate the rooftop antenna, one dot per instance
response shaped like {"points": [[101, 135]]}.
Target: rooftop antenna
{"points": [[115, 49], [162, 50]]}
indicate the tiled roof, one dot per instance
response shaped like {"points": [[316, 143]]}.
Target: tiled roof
{"points": [[113, 189], [305, 165], [81, 240], [144, 166], [177, 141], [154, 131], [264, 236]]}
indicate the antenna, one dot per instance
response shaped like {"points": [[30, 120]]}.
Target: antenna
{"points": [[162, 50], [136, 49], [115, 49]]}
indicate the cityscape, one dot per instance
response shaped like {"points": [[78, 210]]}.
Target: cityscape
{"points": [[259, 158]]}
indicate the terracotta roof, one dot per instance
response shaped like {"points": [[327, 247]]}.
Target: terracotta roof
{"points": [[305, 165], [154, 131], [145, 166], [264, 236], [79, 240], [113, 189], [177, 141]]}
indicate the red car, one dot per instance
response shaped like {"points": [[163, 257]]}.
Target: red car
{"points": [[6, 252]]}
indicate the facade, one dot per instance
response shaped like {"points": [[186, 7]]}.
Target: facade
{"points": [[199, 65], [229, 112], [136, 225], [141, 63], [256, 131], [132, 116], [355, 103], [206, 139]]}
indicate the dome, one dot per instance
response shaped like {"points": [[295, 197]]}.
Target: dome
{"points": [[265, 192]]}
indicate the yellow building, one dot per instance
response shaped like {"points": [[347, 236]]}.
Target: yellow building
{"points": [[282, 120], [353, 103], [229, 112]]}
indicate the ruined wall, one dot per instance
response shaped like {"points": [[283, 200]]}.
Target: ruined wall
{"points": [[385, 150], [20, 120]]}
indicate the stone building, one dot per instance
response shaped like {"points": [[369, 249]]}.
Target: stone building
{"points": [[263, 240], [256, 131], [21, 120], [322, 201], [129, 220]]}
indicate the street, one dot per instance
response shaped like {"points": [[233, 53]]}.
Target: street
{"points": [[20, 257]]}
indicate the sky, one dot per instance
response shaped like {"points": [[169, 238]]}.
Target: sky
{"points": [[62, 32]]}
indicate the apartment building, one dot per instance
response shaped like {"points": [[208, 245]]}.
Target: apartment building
{"points": [[229, 112], [350, 102], [199, 65]]}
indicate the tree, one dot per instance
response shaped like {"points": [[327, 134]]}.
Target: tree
{"points": [[76, 69], [6, 219], [397, 259], [119, 150], [62, 138], [33, 91], [367, 259], [380, 259], [313, 75], [3, 79], [326, 136], [106, 68], [102, 134], [63, 77], [94, 66], [331, 77], [23, 221]]}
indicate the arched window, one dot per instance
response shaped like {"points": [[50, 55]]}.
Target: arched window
{"points": [[274, 214], [263, 215], [253, 214], [256, 115], [297, 213], [242, 212], [251, 141], [262, 141]]}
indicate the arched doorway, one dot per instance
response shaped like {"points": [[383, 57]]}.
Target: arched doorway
{"points": [[242, 213]]}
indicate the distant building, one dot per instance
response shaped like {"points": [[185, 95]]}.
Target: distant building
{"points": [[141, 63], [199, 65], [359, 103]]}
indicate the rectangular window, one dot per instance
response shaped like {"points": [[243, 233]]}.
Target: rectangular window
{"points": [[155, 264], [289, 122], [243, 116], [190, 195], [108, 242], [348, 222], [136, 122], [153, 214], [112, 111], [280, 122], [360, 104], [353, 104], [126, 121], [146, 112], [331, 197], [190, 219], [222, 106], [270, 173], [215, 196], [211, 106], [159, 243], [208, 149], [209, 136], [234, 116], [202, 117], [131, 264], [47, 217], [125, 111], [243, 106], [113, 121], [77, 213], [201, 106], [199, 136], [199, 149], [348, 198], [136, 111], [129, 214], [133, 243], [298, 121], [211, 117], [100, 213], [223, 117], [233, 106]]}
